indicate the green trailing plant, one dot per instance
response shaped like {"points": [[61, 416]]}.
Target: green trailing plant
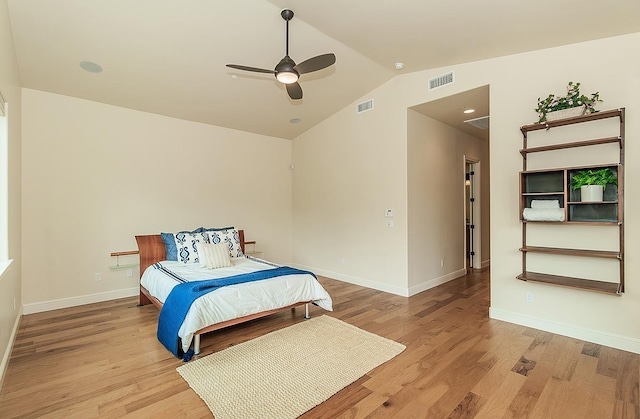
{"points": [[588, 177], [573, 99]]}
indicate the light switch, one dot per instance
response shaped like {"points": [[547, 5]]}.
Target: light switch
{"points": [[388, 212]]}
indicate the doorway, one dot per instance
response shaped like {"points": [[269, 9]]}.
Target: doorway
{"points": [[466, 148]]}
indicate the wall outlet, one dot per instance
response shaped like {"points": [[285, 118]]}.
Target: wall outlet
{"points": [[442, 263], [129, 272], [388, 212], [14, 304], [98, 277], [528, 297], [389, 223], [341, 261]]}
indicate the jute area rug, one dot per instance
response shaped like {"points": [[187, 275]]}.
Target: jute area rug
{"points": [[287, 372]]}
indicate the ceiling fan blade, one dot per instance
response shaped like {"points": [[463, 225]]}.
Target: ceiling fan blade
{"points": [[315, 63], [294, 90], [254, 69]]}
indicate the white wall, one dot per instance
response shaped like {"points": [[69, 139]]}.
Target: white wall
{"points": [[10, 279], [358, 163], [601, 318], [436, 201], [348, 170], [95, 175]]}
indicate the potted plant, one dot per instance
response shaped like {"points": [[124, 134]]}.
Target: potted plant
{"points": [[554, 107], [592, 183]]}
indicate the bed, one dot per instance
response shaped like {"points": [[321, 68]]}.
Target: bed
{"points": [[228, 305]]}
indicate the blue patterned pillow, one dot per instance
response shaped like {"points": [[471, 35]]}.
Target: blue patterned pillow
{"points": [[170, 243], [229, 236], [187, 246]]}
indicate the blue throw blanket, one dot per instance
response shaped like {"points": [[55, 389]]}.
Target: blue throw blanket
{"points": [[182, 296]]}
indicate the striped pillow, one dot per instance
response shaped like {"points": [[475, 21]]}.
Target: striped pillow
{"points": [[213, 256]]}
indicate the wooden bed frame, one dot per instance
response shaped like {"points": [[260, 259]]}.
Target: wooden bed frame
{"points": [[151, 249]]}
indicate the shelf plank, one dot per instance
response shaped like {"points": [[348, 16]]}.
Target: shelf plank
{"points": [[598, 222], [542, 193], [615, 113], [128, 252], [591, 203], [594, 222], [567, 281], [573, 144], [572, 252]]}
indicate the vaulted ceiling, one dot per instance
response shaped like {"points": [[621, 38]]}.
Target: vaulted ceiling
{"points": [[168, 57]]}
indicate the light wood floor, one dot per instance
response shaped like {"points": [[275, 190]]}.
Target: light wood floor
{"points": [[104, 360]]}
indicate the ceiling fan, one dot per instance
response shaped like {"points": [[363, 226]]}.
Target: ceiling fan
{"points": [[287, 71]]}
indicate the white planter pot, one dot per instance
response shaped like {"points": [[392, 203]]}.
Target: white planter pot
{"points": [[566, 113], [591, 193]]}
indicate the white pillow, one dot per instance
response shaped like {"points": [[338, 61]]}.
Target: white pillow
{"points": [[214, 256]]}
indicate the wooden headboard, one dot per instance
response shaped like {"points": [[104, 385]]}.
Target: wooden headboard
{"points": [[151, 249]]}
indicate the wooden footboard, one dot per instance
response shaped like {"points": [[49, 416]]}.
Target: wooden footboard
{"points": [[222, 325], [144, 293], [239, 320]]}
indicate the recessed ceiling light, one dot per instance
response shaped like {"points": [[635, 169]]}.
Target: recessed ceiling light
{"points": [[234, 76], [90, 67], [399, 66], [295, 120], [469, 110]]}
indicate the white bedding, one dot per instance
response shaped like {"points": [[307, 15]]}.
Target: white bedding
{"points": [[233, 301]]}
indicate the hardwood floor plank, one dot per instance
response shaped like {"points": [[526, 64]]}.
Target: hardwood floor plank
{"points": [[365, 407], [586, 395], [568, 358], [545, 351], [591, 349], [498, 402], [103, 360], [468, 407], [411, 402], [624, 410], [339, 403], [466, 372], [185, 404]]}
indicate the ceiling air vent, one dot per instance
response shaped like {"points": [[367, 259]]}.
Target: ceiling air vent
{"points": [[440, 81], [480, 123], [364, 106]]}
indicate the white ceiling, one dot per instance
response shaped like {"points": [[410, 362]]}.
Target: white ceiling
{"points": [[168, 57]]}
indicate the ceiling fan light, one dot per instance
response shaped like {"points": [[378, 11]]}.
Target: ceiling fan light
{"points": [[287, 77]]}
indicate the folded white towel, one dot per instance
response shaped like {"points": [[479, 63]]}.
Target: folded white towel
{"points": [[545, 203], [543, 214]]}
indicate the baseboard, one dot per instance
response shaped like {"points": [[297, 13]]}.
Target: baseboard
{"points": [[485, 263], [78, 301], [607, 339], [436, 281], [9, 348], [403, 292]]}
